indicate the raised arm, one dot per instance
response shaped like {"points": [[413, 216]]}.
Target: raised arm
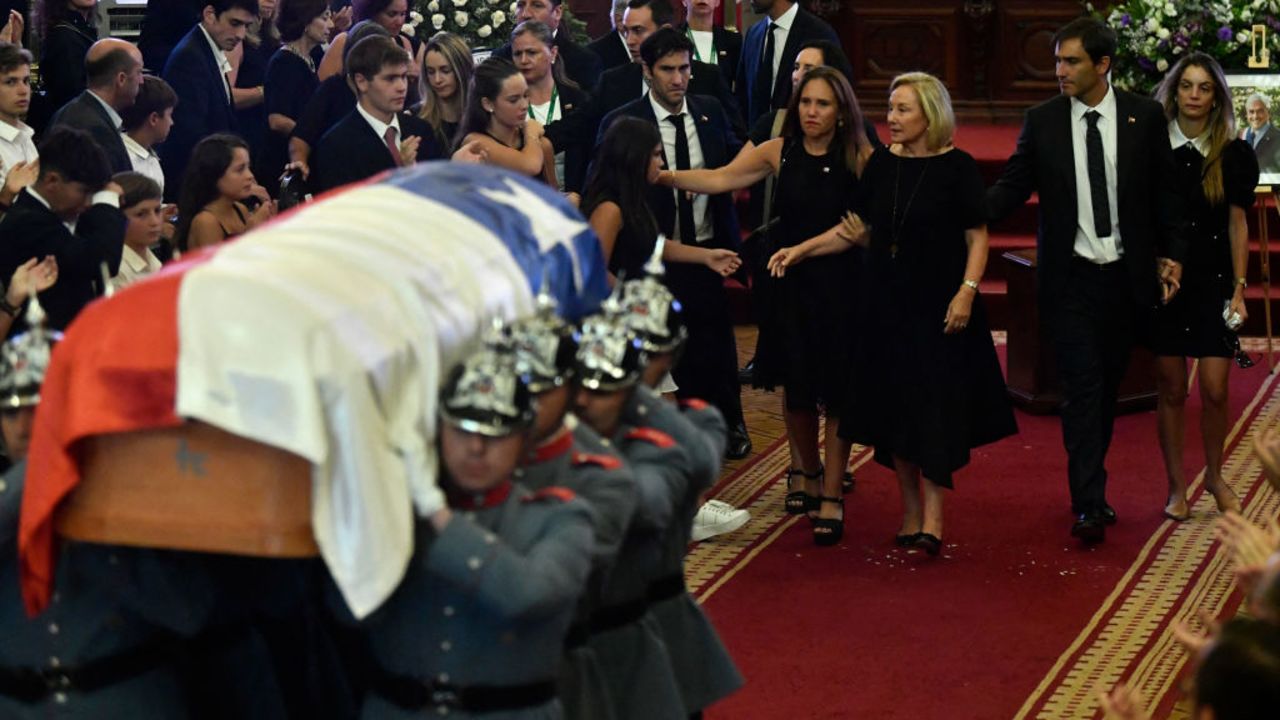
{"points": [[331, 63], [746, 169]]}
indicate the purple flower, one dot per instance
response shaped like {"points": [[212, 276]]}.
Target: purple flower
{"points": [[1181, 40], [1146, 64], [1125, 20], [1225, 34]]}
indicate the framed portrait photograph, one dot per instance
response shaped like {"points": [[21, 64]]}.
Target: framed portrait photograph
{"points": [[1256, 100]]}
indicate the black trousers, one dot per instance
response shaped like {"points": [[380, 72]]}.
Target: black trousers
{"points": [[1092, 327], [709, 367]]}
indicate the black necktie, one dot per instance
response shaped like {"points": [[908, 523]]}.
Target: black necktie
{"points": [[684, 206], [1097, 177], [762, 98]]}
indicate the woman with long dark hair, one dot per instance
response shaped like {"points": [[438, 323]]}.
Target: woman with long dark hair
{"points": [[1217, 174], [447, 68], [390, 14], [628, 163], [218, 181], [805, 342], [497, 120], [64, 30], [291, 79]]}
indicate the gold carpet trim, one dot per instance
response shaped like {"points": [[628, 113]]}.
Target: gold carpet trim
{"points": [[1177, 572]]}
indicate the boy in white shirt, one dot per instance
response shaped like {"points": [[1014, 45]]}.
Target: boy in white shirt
{"points": [[18, 156], [141, 206]]}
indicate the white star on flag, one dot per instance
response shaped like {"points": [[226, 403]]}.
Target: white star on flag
{"points": [[551, 227]]}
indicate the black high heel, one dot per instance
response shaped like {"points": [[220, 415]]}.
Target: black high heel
{"points": [[931, 544], [907, 540], [797, 501], [828, 531]]}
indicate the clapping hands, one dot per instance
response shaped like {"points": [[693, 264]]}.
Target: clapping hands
{"points": [[33, 276]]}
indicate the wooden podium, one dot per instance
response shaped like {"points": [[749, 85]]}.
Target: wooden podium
{"points": [[1033, 377]]}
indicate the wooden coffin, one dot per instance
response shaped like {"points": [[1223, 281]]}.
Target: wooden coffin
{"points": [[194, 487]]}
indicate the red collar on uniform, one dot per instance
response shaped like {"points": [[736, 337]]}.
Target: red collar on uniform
{"points": [[553, 448], [461, 500]]}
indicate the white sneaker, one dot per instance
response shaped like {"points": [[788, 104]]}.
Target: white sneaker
{"points": [[717, 518]]}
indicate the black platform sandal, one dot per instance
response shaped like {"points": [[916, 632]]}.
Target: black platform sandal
{"points": [[796, 502], [828, 531]]}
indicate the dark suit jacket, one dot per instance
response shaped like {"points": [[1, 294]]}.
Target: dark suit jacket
{"points": [[576, 155], [611, 50], [31, 230], [622, 85], [719, 145], [1149, 202], [1267, 150], [163, 27], [806, 27], [351, 151], [580, 64], [728, 51], [86, 113], [203, 108]]}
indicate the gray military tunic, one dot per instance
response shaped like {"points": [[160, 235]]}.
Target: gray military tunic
{"points": [[578, 459], [703, 667], [109, 603], [636, 664], [487, 601]]}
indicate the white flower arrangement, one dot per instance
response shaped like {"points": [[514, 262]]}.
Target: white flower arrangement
{"points": [[460, 18], [484, 31], [481, 23], [1153, 33]]}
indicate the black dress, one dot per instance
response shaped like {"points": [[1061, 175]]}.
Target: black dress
{"points": [[252, 121], [916, 392], [630, 250], [1191, 325], [807, 328], [290, 83]]}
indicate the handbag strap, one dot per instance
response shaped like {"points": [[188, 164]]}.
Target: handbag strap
{"points": [[779, 117]]}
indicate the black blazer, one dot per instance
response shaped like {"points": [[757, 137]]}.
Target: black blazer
{"points": [[31, 230], [728, 51], [163, 27], [576, 155], [86, 113], [351, 151], [806, 27], [719, 145], [203, 108], [62, 59], [611, 50], [580, 64], [1151, 219]]}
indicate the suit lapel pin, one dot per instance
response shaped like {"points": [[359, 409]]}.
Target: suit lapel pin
{"points": [[703, 118], [1133, 120], [568, 106]]}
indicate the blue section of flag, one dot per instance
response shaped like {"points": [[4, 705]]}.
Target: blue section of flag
{"points": [[522, 218]]}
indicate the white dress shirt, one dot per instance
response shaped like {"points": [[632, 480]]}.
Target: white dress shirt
{"points": [[705, 43], [380, 127], [700, 218], [780, 38], [1088, 245], [1177, 138], [16, 145], [144, 160], [224, 65], [546, 113], [134, 267]]}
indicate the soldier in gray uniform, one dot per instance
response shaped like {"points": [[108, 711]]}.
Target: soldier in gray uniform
{"points": [[477, 626], [624, 634], [703, 668], [106, 646], [568, 453]]}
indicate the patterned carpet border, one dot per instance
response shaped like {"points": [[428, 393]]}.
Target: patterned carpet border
{"points": [[1178, 572]]}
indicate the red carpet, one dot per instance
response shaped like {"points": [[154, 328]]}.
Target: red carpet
{"points": [[866, 630]]}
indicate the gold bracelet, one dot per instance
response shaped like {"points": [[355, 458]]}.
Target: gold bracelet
{"points": [[971, 284]]}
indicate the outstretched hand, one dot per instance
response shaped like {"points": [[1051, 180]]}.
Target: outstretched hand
{"points": [[472, 152], [723, 262], [1247, 543]]}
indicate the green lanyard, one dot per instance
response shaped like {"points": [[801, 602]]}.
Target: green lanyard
{"points": [[551, 106], [697, 55]]}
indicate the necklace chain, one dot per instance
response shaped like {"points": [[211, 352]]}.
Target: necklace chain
{"points": [[896, 224]]}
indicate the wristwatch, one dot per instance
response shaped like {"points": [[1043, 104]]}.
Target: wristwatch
{"points": [[8, 309], [1242, 282]]}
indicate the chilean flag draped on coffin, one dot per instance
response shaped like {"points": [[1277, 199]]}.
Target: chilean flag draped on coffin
{"points": [[325, 333]]}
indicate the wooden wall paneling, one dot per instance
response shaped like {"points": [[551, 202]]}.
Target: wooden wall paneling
{"points": [[884, 42]]}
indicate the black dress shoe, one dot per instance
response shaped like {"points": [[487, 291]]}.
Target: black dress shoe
{"points": [[1108, 515], [747, 374], [1090, 528], [739, 443]]}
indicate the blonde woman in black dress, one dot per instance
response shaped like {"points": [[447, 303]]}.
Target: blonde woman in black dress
{"points": [[1217, 174]]}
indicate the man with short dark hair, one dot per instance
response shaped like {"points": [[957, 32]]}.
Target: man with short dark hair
{"points": [[768, 52], [198, 69], [72, 212], [147, 124], [18, 154], [377, 135], [113, 70], [702, 232], [581, 65], [1110, 243]]}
